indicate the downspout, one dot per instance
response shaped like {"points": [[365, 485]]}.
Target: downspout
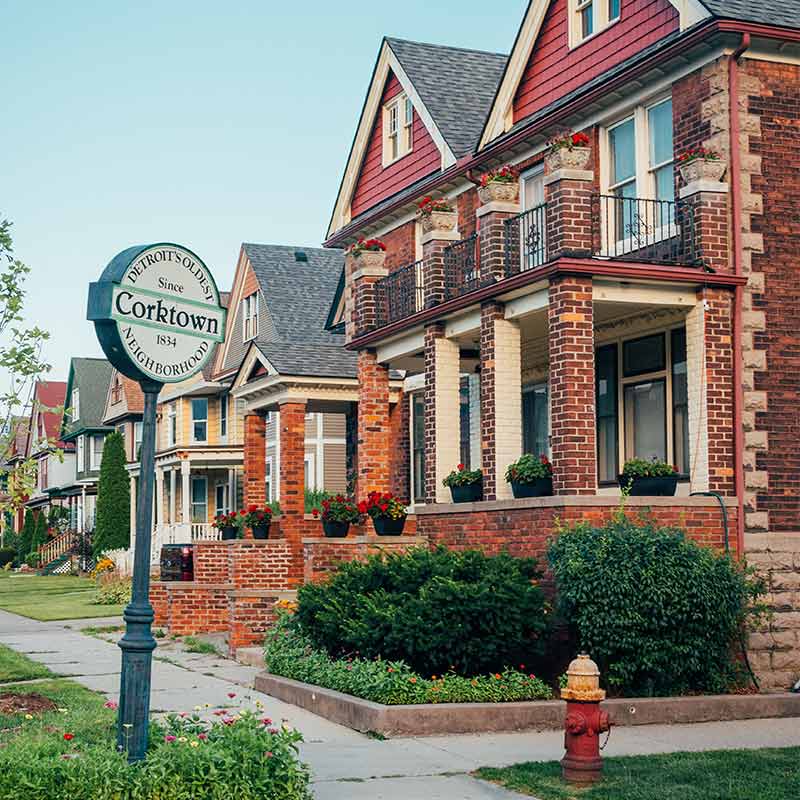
{"points": [[736, 222]]}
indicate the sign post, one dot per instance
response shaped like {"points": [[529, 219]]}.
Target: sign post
{"points": [[157, 315]]}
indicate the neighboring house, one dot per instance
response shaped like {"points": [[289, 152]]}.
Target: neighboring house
{"points": [[16, 453], [83, 427], [124, 406], [612, 308], [55, 458]]}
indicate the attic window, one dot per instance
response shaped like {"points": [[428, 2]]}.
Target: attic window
{"points": [[76, 405], [398, 129], [589, 17], [250, 317]]}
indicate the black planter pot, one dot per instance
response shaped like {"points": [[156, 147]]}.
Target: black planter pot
{"points": [[469, 493], [388, 527], [261, 531], [334, 529], [541, 487], [230, 532], [650, 487]]}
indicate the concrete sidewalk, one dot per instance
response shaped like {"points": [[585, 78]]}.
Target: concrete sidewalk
{"points": [[347, 765]]}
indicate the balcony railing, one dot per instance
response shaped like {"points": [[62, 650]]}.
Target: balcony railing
{"points": [[636, 229], [401, 293], [526, 240], [462, 270]]}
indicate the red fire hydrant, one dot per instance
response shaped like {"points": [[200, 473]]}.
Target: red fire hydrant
{"points": [[584, 723]]}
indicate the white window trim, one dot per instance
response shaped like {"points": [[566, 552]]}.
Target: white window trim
{"points": [[81, 454], [93, 465], [223, 417], [226, 491], [600, 20], [269, 480], [404, 132], [250, 316], [76, 404], [192, 504], [172, 425], [310, 460], [195, 421]]}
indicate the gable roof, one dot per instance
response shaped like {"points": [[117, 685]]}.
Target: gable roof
{"points": [[451, 89], [785, 13], [297, 295], [131, 401], [47, 395], [91, 376]]}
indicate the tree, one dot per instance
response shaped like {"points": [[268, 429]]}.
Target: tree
{"points": [[113, 519], [26, 536], [39, 533]]}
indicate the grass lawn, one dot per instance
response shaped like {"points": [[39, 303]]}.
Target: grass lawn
{"points": [[16, 667], [49, 597], [715, 775]]}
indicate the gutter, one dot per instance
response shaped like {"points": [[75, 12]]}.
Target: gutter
{"points": [[738, 298]]}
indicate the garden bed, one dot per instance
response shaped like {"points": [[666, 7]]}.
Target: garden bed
{"points": [[443, 718]]}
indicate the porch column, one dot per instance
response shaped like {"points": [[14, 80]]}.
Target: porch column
{"points": [[255, 459], [501, 398], [365, 299], [292, 422], [434, 243], [568, 194], [373, 425], [231, 489], [159, 518], [442, 411], [82, 511], [492, 218], [186, 516], [572, 386], [173, 490]]}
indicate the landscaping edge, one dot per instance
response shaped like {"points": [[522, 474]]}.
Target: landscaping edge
{"points": [[446, 718]]}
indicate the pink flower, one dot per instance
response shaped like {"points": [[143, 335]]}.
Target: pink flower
{"points": [[268, 754], [202, 737], [183, 714], [169, 738], [219, 712], [110, 704], [231, 695], [228, 720], [273, 731], [267, 721]]}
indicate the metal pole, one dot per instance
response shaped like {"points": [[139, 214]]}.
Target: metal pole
{"points": [[137, 644]]}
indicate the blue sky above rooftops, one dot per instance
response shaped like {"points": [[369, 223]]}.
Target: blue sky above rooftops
{"points": [[203, 123]]}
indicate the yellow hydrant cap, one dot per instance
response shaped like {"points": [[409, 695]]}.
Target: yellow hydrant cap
{"points": [[583, 681]]}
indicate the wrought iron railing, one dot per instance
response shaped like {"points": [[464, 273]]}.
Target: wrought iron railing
{"points": [[636, 229], [526, 240], [401, 293], [462, 266]]}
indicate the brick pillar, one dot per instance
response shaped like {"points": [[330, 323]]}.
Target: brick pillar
{"points": [[492, 230], [373, 425], [400, 450], [501, 398], [255, 461], [572, 386], [365, 311], [434, 243], [568, 194], [703, 222], [442, 411], [292, 420]]}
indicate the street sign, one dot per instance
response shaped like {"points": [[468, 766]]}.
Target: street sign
{"points": [[157, 315]]}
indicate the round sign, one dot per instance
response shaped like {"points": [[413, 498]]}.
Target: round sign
{"points": [[157, 312]]}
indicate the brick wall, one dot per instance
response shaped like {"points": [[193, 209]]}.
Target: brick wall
{"points": [[373, 425], [401, 245], [255, 459], [572, 386], [399, 455]]}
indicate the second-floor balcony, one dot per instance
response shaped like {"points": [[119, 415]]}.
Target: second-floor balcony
{"points": [[628, 229]]}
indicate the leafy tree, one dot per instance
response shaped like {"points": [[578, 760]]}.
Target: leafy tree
{"points": [[39, 533], [113, 519], [26, 535]]}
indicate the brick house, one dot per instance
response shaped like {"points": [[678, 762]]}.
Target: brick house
{"points": [[599, 313]]}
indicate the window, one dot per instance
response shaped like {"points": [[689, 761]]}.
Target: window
{"points": [[532, 228], [199, 499], [222, 493], [116, 389], [398, 129], [96, 452], [591, 16], [465, 450], [309, 473], [223, 417], [137, 440], [172, 425], [43, 476], [250, 316], [535, 420], [199, 419], [76, 404], [418, 446], [81, 455], [268, 489], [642, 402]]}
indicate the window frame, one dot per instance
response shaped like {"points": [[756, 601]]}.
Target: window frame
{"points": [[532, 387], [225, 506], [601, 19], [413, 399], [75, 400], [194, 480], [138, 430], [94, 462], [223, 417], [172, 424], [398, 129], [80, 453], [269, 483], [199, 420], [250, 316]]}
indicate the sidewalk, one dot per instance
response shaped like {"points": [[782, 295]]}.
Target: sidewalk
{"points": [[347, 765]]}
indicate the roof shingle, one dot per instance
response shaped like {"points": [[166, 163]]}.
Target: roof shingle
{"points": [[769, 12]]}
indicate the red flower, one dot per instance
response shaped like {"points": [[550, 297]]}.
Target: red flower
{"points": [[580, 139], [252, 508], [243, 513], [460, 467], [385, 507], [69, 736], [362, 507], [315, 512]]}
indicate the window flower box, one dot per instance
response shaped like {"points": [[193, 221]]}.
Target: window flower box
{"points": [[568, 151], [499, 185], [436, 215], [228, 526], [642, 478], [368, 253], [700, 164]]}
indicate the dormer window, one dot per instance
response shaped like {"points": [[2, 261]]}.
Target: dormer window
{"points": [[250, 317], [398, 129], [588, 17], [76, 405]]}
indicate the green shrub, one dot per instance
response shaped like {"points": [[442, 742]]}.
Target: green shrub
{"points": [[660, 614], [7, 555], [112, 525], [288, 652], [113, 590], [39, 532], [32, 560], [644, 468], [435, 610], [26, 534]]}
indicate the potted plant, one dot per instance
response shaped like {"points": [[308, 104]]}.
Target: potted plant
{"points": [[258, 519], [228, 525], [701, 163], [500, 184], [568, 151], [643, 478], [530, 476], [337, 515], [436, 214], [466, 485], [369, 252], [387, 512]]}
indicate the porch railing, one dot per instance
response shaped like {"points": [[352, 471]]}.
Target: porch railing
{"points": [[180, 533], [526, 240], [462, 272], [401, 293], [61, 544], [637, 229]]}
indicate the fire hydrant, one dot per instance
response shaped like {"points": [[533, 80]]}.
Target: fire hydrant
{"points": [[584, 722]]}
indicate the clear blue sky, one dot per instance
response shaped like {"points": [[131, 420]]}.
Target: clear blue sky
{"points": [[203, 123]]}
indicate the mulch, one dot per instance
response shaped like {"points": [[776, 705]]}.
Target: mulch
{"points": [[31, 703]]}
